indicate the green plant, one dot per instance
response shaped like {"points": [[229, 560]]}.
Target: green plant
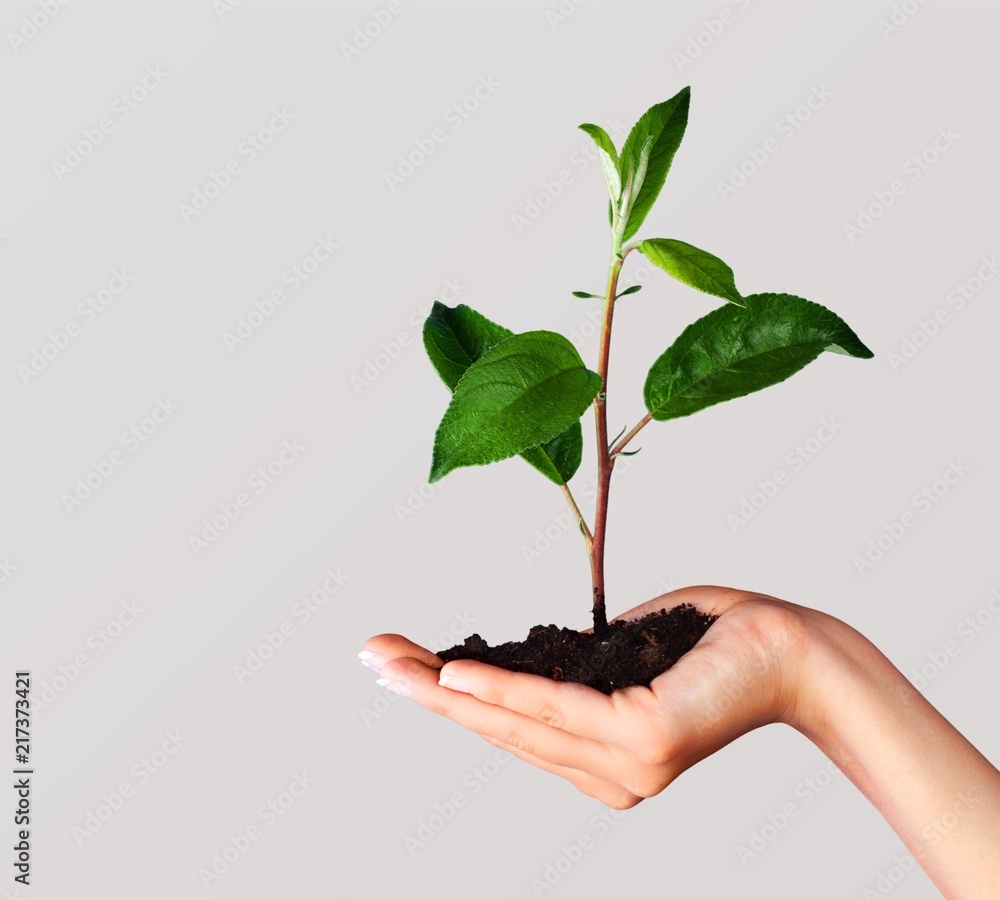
{"points": [[525, 393]]}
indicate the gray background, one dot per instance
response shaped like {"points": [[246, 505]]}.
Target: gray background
{"points": [[377, 769]]}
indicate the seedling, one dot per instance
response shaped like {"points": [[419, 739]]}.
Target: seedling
{"points": [[525, 394]]}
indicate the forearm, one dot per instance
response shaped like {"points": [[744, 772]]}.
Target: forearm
{"points": [[939, 794]]}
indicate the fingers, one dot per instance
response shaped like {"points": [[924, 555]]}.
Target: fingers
{"points": [[564, 705], [562, 748], [383, 647], [608, 792], [414, 678]]}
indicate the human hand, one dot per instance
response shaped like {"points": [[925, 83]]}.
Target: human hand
{"points": [[763, 660], [630, 745]]}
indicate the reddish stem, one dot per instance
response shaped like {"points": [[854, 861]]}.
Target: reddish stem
{"points": [[623, 443], [605, 461]]}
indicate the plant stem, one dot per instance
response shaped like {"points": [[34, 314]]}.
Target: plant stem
{"points": [[581, 521], [605, 463], [643, 422]]}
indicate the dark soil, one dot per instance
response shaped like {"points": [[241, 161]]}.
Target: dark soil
{"points": [[634, 652]]}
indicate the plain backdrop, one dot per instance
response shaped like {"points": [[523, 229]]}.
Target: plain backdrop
{"points": [[201, 725]]}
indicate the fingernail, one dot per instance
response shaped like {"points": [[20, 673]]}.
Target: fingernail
{"points": [[454, 684], [372, 660], [394, 686]]}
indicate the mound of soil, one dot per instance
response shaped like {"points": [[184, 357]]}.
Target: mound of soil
{"points": [[633, 652]]}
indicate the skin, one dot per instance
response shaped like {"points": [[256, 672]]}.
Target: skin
{"points": [[763, 661]]}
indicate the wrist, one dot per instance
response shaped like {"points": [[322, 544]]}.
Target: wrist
{"points": [[934, 788], [836, 668]]}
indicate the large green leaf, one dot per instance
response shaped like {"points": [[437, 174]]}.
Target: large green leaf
{"points": [[665, 124], [455, 338], [522, 393], [732, 352], [693, 267]]}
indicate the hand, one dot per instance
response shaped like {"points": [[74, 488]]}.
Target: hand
{"points": [[630, 745], [762, 660]]}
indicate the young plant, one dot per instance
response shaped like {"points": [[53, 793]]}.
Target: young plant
{"points": [[524, 394]]}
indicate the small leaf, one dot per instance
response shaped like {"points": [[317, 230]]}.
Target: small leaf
{"points": [[455, 339], [664, 123], [732, 352], [628, 452], [693, 267], [630, 290], [609, 159], [585, 295], [559, 458], [524, 392], [636, 176], [644, 153]]}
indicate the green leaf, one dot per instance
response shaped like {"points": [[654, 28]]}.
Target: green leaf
{"points": [[559, 458], [523, 392], [609, 159], [456, 338], [586, 296], [630, 290], [693, 267], [732, 352], [665, 124]]}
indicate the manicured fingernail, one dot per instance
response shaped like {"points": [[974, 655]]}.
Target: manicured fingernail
{"points": [[453, 683], [372, 660], [394, 686]]}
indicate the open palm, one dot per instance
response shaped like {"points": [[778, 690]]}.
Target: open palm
{"points": [[630, 745]]}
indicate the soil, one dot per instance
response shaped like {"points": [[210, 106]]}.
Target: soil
{"points": [[634, 652]]}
